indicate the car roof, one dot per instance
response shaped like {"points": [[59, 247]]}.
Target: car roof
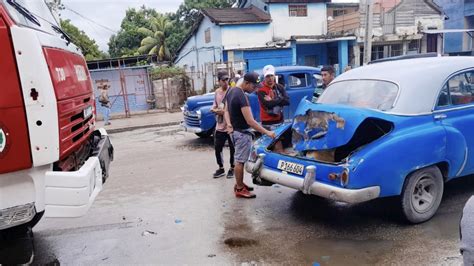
{"points": [[420, 79]]}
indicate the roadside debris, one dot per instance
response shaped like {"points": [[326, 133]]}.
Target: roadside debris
{"points": [[147, 233]]}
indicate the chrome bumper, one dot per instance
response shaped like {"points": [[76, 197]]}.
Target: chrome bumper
{"points": [[309, 185], [190, 129]]}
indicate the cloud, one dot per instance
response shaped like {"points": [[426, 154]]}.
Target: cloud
{"points": [[108, 13]]}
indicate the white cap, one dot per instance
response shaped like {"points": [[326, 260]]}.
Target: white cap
{"points": [[268, 70]]}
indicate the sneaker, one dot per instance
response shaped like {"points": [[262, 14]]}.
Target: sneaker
{"points": [[248, 188], [230, 173], [219, 173], [243, 193], [245, 185]]}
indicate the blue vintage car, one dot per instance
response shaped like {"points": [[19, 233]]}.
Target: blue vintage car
{"points": [[400, 128], [299, 82]]}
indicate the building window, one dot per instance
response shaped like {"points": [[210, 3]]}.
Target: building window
{"points": [[413, 47], [338, 12], [298, 10], [207, 35], [396, 49], [377, 52]]}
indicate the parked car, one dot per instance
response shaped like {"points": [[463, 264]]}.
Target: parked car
{"points": [[299, 82], [399, 128]]}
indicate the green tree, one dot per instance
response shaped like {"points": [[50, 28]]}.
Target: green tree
{"points": [[88, 47], [188, 11], [155, 40], [55, 6], [127, 41], [186, 16]]}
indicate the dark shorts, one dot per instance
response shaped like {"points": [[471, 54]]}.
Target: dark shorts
{"points": [[242, 144]]}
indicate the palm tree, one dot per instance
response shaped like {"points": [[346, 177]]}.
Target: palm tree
{"points": [[155, 40]]}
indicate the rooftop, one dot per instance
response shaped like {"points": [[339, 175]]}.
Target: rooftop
{"points": [[222, 16]]}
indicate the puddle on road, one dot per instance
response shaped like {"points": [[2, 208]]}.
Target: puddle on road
{"points": [[198, 144], [344, 251], [240, 242]]}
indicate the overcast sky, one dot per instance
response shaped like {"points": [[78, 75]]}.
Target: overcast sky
{"points": [[110, 13]]}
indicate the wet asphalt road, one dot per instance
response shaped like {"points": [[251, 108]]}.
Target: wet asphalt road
{"points": [[161, 206]]}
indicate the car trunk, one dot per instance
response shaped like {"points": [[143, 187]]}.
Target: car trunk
{"points": [[330, 134]]}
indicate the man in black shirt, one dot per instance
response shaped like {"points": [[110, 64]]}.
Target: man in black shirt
{"points": [[239, 120]]}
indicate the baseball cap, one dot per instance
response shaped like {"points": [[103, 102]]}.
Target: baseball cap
{"points": [[251, 77], [222, 75], [268, 70]]}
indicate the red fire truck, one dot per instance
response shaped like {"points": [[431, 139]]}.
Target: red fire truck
{"points": [[53, 161]]}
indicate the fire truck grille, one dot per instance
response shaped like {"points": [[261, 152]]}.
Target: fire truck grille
{"points": [[75, 123]]}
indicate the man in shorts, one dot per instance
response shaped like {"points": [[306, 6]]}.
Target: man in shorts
{"points": [[239, 120]]}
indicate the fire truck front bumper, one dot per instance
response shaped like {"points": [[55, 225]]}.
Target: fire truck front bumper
{"points": [[71, 194]]}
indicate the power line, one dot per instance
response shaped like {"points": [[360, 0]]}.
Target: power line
{"points": [[90, 20]]}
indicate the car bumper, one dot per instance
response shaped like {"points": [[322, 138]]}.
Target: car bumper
{"points": [[190, 129], [309, 185], [71, 194]]}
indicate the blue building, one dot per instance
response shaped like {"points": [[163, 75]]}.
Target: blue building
{"points": [[257, 33], [458, 25]]}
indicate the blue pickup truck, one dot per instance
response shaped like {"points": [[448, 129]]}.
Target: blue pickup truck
{"points": [[299, 81]]}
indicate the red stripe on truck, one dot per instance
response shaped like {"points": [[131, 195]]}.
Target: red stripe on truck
{"points": [[74, 95], [15, 151]]}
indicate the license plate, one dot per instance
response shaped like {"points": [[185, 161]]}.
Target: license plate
{"points": [[294, 168], [87, 112]]}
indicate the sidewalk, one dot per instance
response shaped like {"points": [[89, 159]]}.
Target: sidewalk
{"points": [[141, 120]]}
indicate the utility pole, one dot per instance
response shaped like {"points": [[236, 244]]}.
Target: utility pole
{"points": [[368, 32]]}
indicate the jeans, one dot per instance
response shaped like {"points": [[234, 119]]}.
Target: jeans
{"points": [[106, 113], [219, 141]]}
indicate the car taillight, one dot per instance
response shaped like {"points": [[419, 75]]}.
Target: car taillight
{"points": [[345, 177]]}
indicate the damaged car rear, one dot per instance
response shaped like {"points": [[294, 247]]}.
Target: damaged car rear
{"points": [[389, 129]]}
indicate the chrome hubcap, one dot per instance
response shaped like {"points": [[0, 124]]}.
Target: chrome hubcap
{"points": [[424, 194]]}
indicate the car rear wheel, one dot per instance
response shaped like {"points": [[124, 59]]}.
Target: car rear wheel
{"points": [[422, 194]]}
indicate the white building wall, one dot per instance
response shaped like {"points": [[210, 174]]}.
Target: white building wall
{"points": [[246, 36], [196, 60], [285, 26]]}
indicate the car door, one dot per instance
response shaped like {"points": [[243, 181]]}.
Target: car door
{"points": [[455, 111], [298, 85]]}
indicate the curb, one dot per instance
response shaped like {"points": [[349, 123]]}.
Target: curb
{"points": [[124, 129]]}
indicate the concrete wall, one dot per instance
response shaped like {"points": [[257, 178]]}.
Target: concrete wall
{"points": [[246, 36], [285, 26], [454, 9], [319, 51], [257, 59], [195, 60], [167, 93]]}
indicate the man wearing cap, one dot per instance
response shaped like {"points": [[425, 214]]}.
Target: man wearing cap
{"points": [[272, 98], [239, 120], [220, 135]]}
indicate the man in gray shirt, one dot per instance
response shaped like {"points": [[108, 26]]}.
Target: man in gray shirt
{"points": [[239, 120]]}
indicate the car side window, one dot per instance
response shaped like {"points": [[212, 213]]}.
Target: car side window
{"points": [[280, 80], [461, 89], [443, 99], [299, 80]]}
